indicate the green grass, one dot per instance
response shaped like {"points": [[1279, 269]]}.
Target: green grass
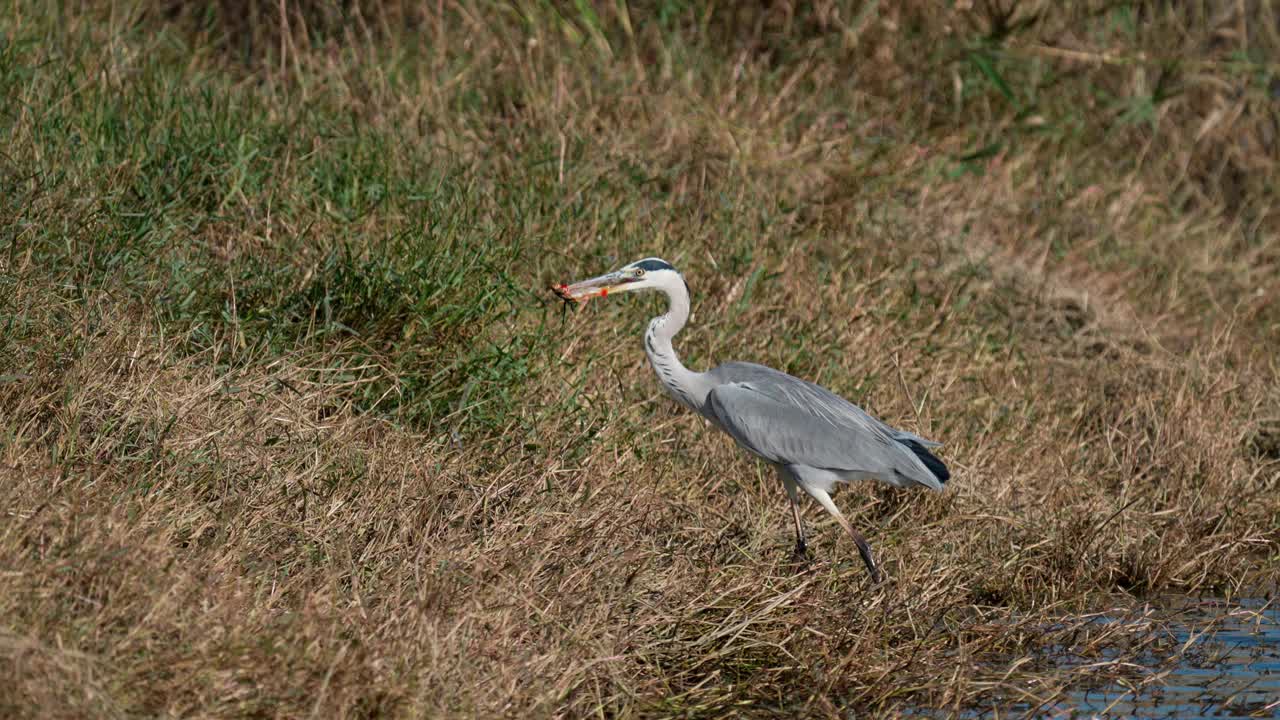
{"points": [[166, 190], [294, 427]]}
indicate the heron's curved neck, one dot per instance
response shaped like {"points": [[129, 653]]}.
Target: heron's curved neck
{"points": [[686, 386]]}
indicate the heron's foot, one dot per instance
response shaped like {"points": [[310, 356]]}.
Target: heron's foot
{"points": [[800, 553], [874, 570]]}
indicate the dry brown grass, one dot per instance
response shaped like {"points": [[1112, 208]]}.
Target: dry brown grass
{"points": [[201, 525]]}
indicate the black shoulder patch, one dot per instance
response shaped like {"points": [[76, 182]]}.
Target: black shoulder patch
{"points": [[651, 264], [930, 460]]}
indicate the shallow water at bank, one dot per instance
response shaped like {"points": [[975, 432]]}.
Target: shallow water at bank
{"points": [[1230, 668], [1209, 658]]}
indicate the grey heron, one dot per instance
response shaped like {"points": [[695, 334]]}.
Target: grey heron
{"points": [[812, 437]]}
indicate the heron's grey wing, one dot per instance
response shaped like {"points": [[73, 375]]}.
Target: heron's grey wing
{"points": [[789, 435], [815, 399]]}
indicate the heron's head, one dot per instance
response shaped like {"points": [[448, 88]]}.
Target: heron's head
{"points": [[639, 275]]}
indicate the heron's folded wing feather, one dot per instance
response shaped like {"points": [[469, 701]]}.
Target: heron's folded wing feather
{"points": [[809, 397], [787, 434], [904, 435]]}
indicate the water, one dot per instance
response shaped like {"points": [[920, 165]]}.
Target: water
{"points": [[1228, 667], [1181, 658]]}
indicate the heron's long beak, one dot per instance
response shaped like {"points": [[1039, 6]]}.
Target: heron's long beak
{"points": [[595, 287]]}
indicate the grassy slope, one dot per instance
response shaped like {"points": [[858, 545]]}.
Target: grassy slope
{"points": [[288, 424]]}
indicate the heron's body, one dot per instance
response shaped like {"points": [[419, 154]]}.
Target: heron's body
{"points": [[813, 437]]}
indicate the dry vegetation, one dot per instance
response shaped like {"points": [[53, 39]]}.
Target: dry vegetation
{"points": [[288, 426]]}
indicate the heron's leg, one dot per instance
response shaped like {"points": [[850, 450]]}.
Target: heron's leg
{"points": [[863, 548], [794, 494]]}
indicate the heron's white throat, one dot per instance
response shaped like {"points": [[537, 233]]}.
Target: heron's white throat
{"points": [[687, 387]]}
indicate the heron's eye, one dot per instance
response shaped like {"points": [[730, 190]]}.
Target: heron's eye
{"points": [[639, 272]]}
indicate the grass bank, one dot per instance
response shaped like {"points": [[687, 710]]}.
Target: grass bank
{"points": [[289, 425]]}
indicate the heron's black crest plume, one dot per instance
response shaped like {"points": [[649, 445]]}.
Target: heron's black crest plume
{"points": [[931, 461], [651, 264]]}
